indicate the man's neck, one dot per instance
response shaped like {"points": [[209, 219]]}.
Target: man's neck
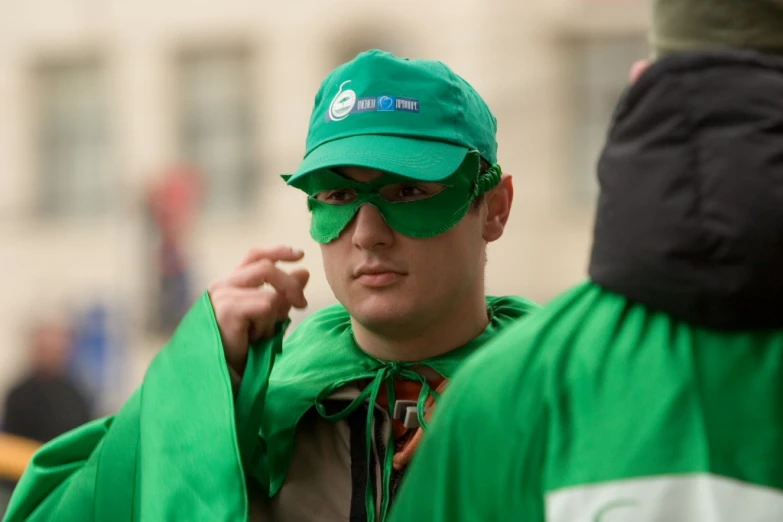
{"points": [[453, 331]]}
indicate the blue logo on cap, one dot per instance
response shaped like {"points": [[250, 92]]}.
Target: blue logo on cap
{"points": [[386, 103]]}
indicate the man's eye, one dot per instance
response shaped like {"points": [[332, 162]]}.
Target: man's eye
{"points": [[411, 191], [337, 197], [404, 192]]}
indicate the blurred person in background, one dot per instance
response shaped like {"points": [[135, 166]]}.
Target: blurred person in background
{"points": [[172, 201], [44, 404], [654, 392], [47, 402], [405, 192]]}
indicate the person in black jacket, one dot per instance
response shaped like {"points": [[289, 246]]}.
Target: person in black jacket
{"points": [[46, 403], [654, 391]]}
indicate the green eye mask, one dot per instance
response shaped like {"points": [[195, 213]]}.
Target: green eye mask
{"points": [[412, 208]]}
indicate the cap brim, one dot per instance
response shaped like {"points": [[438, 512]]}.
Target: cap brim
{"points": [[424, 160]]}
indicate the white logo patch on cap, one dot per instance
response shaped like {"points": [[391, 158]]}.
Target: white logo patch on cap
{"points": [[342, 104]]}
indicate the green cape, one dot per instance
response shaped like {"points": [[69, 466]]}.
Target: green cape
{"points": [[177, 450], [321, 356], [174, 452]]}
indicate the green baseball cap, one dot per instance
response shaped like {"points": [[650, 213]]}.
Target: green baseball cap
{"points": [[413, 118]]}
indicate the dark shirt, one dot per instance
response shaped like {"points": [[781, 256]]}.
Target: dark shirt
{"points": [[43, 407]]}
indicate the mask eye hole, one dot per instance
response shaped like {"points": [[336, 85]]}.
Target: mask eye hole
{"points": [[337, 196], [406, 192]]}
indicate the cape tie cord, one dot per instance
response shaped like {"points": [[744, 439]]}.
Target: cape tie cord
{"points": [[385, 374]]}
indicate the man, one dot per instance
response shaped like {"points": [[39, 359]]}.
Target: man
{"points": [[44, 404], [47, 402], [655, 391], [405, 192]]}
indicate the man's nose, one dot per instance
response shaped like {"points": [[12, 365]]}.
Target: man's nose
{"points": [[370, 230]]}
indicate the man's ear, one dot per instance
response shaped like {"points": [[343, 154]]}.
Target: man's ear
{"points": [[498, 202]]}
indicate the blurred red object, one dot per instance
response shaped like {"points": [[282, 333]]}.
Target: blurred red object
{"points": [[174, 198]]}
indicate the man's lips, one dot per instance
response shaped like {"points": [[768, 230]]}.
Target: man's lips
{"points": [[378, 276]]}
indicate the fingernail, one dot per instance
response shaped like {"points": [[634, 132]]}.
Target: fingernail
{"points": [[297, 251]]}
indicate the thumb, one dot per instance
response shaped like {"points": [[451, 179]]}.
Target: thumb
{"points": [[302, 275]]}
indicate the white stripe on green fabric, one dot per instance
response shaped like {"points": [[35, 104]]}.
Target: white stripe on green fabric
{"points": [[698, 497]]}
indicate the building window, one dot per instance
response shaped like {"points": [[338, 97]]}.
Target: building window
{"points": [[599, 69], [73, 139], [216, 125]]}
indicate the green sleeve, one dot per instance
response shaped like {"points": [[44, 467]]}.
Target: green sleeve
{"points": [[475, 462], [67, 475], [174, 452]]}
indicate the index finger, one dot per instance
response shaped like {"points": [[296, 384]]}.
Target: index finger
{"points": [[276, 253]]}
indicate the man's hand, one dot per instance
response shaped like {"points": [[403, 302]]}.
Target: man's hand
{"points": [[246, 312]]}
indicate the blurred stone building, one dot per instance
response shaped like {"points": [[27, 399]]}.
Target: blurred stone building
{"points": [[97, 97]]}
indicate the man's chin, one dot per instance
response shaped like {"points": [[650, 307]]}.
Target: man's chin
{"points": [[385, 312]]}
